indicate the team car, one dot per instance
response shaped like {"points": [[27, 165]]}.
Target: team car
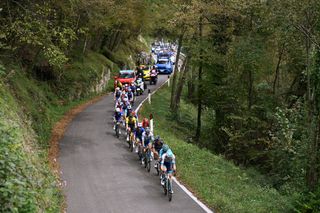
{"points": [[164, 66], [146, 72], [125, 77]]}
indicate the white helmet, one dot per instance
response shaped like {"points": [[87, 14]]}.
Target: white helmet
{"points": [[125, 99], [118, 109], [117, 88], [139, 124]]}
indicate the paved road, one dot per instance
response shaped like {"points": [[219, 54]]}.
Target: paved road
{"points": [[103, 176]]}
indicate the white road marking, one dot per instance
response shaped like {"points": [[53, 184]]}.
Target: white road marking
{"points": [[202, 205]]}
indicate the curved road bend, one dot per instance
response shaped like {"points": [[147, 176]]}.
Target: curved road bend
{"points": [[103, 176]]}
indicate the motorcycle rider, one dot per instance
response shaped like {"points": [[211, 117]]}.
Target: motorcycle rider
{"points": [[139, 73], [153, 75]]}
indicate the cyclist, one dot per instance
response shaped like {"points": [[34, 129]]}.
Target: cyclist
{"points": [[117, 94], [157, 146], [125, 107], [117, 118], [139, 132], [131, 125], [130, 96], [134, 114], [168, 163], [123, 95], [147, 139], [133, 87]]}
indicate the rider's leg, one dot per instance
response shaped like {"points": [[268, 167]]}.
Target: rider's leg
{"points": [[162, 176]]}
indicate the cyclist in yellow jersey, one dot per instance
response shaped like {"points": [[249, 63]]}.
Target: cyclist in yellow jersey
{"points": [[131, 124]]}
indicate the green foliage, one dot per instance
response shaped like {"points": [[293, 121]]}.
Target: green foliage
{"points": [[26, 185], [216, 181], [310, 202], [28, 110]]}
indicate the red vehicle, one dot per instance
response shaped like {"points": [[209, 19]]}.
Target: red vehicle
{"points": [[125, 77]]}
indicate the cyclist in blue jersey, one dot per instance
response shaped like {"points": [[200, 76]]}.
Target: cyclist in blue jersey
{"points": [[139, 132], [168, 163], [117, 118]]}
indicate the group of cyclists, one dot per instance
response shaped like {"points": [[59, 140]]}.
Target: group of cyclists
{"points": [[140, 133]]}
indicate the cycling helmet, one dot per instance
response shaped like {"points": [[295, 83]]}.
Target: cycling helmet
{"points": [[139, 124], [117, 88], [129, 107], [157, 138], [118, 110], [165, 147], [147, 130], [125, 99]]}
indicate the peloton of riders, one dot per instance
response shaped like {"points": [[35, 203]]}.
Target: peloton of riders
{"points": [[141, 133]]}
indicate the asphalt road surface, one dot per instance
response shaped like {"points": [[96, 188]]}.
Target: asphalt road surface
{"points": [[103, 176]]}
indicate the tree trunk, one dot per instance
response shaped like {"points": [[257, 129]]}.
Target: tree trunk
{"points": [[84, 45], [312, 175], [190, 85], [276, 77], [198, 130], [250, 89], [181, 82], [174, 80]]}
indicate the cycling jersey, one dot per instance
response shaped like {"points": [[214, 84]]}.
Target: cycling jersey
{"points": [[130, 95], [139, 133], [146, 139], [169, 151], [168, 162], [117, 116], [131, 121], [117, 95]]}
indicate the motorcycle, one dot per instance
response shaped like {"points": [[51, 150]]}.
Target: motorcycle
{"points": [[139, 87], [153, 78]]}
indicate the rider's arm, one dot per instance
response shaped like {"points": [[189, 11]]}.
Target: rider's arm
{"points": [[127, 121], [135, 123], [143, 136], [162, 162]]}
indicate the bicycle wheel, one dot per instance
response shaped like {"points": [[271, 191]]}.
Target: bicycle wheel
{"points": [[169, 190], [117, 130], [148, 165], [131, 146], [157, 168], [165, 189]]}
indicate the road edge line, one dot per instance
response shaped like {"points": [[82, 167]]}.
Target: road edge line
{"points": [[188, 192]]}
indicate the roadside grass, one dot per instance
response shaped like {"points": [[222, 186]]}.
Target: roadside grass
{"points": [[218, 182]]}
